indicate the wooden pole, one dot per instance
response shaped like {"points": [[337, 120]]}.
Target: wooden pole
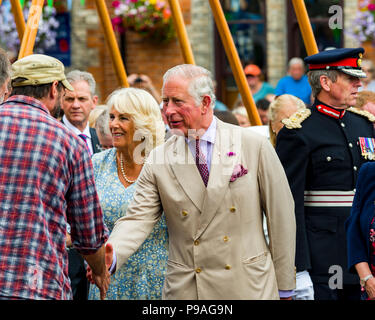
{"points": [[305, 27], [28, 40], [18, 17], [234, 61], [112, 42], [179, 24]]}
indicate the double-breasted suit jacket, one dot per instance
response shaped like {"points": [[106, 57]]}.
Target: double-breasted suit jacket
{"points": [[217, 249]]}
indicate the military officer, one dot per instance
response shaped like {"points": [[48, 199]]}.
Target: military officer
{"points": [[322, 149]]}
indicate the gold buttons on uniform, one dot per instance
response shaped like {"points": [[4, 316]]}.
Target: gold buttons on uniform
{"points": [[196, 242], [355, 168], [350, 145], [184, 213], [329, 158], [228, 267], [342, 124], [232, 209], [198, 270], [226, 239]]}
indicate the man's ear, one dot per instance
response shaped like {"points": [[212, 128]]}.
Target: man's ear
{"points": [[95, 100], [325, 83], [206, 102], [54, 92]]}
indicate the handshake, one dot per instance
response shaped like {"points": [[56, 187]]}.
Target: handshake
{"points": [[98, 268]]}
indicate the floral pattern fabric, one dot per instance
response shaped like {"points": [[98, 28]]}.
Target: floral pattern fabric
{"points": [[142, 277]]}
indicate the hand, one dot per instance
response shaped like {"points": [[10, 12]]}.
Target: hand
{"points": [[68, 240], [108, 262], [370, 288]]}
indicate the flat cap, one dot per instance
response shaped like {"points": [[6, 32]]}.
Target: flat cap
{"points": [[39, 69], [347, 60]]}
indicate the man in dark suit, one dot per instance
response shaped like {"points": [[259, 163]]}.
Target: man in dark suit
{"points": [[321, 149], [77, 106]]}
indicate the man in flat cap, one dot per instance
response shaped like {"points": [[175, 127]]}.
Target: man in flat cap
{"points": [[320, 149], [46, 181]]}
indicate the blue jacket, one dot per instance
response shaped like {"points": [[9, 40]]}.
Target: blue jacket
{"points": [[363, 210]]}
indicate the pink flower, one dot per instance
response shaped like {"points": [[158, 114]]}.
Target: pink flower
{"points": [[371, 7], [231, 154], [115, 4], [116, 20]]}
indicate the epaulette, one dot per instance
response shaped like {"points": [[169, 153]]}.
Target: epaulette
{"points": [[363, 113], [295, 120]]}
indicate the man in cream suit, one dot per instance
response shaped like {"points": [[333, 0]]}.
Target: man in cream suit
{"points": [[217, 249]]}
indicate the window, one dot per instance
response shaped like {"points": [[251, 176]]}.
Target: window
{"points": [[246, 20], [318, 11]]}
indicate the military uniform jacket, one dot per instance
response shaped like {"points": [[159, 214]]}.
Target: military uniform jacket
{"points": [[321, 160], [217, 249]]}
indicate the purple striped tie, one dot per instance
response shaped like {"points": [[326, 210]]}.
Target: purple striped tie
{"points": [[201, 163], [84, 138]]}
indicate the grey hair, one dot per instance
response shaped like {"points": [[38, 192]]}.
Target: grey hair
{"points": [[102, 123], [314, 79], [200, 84], [4, 67], [78, 75], [296, 60]]}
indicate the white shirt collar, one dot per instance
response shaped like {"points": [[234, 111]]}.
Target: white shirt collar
{"points": [[86, 132]]}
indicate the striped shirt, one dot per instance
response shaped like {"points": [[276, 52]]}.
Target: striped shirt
{"points": [[46, 181]]}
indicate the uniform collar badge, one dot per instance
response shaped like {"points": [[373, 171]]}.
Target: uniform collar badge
{"points": [[331, 112]]}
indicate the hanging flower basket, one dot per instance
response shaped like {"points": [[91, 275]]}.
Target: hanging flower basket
{"points": [[46, 36], [150, 18]]}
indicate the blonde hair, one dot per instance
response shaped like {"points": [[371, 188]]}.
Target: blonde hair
{"points": [[363, 97], [275, 107], [145, 113]]}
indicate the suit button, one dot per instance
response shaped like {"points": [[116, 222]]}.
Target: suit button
{"points": [[350, 145], [225, 239], [196, 242], [232, 209], [355, 168], [228, 267], [184, 213], [329, 158], [198, 270], [342, 124]]}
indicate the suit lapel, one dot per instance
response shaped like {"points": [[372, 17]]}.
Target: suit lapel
{"points": [[186, 172], [222, 166], [94, 141]]}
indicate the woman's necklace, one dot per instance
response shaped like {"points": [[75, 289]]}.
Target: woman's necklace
{"points": [[123, 171]]}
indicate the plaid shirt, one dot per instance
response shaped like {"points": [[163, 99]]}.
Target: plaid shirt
{"points": [[46, 180]]}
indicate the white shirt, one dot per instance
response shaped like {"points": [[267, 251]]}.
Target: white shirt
{"points": [[86, 132]]}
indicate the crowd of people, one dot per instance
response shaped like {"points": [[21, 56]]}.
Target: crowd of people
{"points": [[174, 196]]}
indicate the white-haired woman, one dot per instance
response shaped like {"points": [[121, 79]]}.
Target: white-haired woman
{"points": [[137, 127]]}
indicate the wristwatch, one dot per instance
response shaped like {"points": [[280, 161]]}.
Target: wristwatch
{"points": [[364, 280]]}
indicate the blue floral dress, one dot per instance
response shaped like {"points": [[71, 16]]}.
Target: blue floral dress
{"points": [[142, 277]]}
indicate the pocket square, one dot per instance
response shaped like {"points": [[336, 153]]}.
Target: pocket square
{"points": [[238, 171]]}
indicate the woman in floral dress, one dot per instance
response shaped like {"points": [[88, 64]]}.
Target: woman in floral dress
{"points": [[136, 126]]}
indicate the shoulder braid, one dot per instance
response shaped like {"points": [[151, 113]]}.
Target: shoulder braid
{"points": [[295, 120], [362, 113]]}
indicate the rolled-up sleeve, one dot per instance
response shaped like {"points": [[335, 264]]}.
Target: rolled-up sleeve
{"points": [[84, 213]]}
